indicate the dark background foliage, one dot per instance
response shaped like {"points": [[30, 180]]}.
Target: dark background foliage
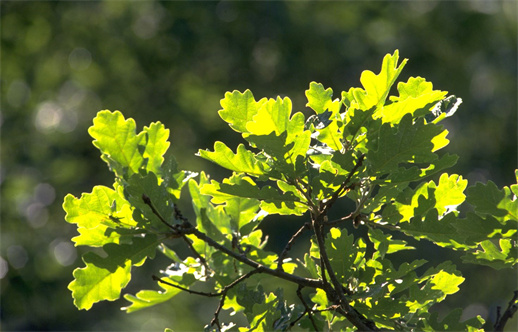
{"points": [[61, 62]]}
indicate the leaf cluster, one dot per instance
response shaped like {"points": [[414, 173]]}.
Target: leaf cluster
{"points": [[367, 146]]}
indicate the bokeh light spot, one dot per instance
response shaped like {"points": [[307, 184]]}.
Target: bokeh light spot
{"points": [[45, 193], [37, 215], [18, 94], [80, 59], [17, 256], [48, 116], [65, 253], [4, 267]]}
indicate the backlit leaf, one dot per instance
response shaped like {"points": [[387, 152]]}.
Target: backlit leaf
{"points": [[104, 278], [241, 161], [239, 109]]}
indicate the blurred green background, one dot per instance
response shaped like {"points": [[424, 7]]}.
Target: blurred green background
{"points": [[61, 62]]}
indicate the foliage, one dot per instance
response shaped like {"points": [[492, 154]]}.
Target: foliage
{"points": [[368, 147]]}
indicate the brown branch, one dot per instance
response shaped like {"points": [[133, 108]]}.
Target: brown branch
{"points": [[187, 228], [289, 244], [306, 282], [179, 216], [215, 320], [345, 185], [147, 201], [336, 221], [336, 293], [307, 310], [512, 307], [160, 280], [197, 254]]}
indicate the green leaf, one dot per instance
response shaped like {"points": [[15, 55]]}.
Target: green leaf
{"points": [[209, 219], [441, 281], [123, 149], [490, 200], [102, 216], [242, 161], [268, 315], [175, 179], [160, 198], [299, 136], [415, 96], [444, 197], [415, 173], [271, 200], [439, 230], [276, 147], [156, 146], [345, 254], [104, 278], [148, 298], [377, 87], [119, 144], [452, 322], [407, 143], [384, 244], [503, 255], [319, 98], [355, 120], [239, 109], [272, 117]]}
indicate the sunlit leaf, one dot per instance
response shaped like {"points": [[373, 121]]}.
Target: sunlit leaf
{"points": [[241, 161], [407, 143], [239, 109], [104, 278]]}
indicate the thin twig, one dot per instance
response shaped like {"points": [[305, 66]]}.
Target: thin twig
{"points": [[289, 244], [215, 320], [308, 310], [147, 201], [187, 228], [345, 185], [160, 280], [306, 193], [179, 216], [336, 221], [307, 282], [356, 318], [512, 307], [197, 254]]}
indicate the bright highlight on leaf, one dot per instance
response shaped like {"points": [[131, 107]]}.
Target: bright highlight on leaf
{"points": [[367, 151]]}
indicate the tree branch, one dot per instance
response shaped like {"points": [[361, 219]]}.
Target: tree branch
{"points": [[179, 216], [308, 310], [187, 228], [289, 244], [147, 201], [512, 307], [160, 280], [356, 318], [345, 185], [307, 282], [215, 320]]}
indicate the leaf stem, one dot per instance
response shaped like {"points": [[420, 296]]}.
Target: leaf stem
{"points": [[283, 254]]}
